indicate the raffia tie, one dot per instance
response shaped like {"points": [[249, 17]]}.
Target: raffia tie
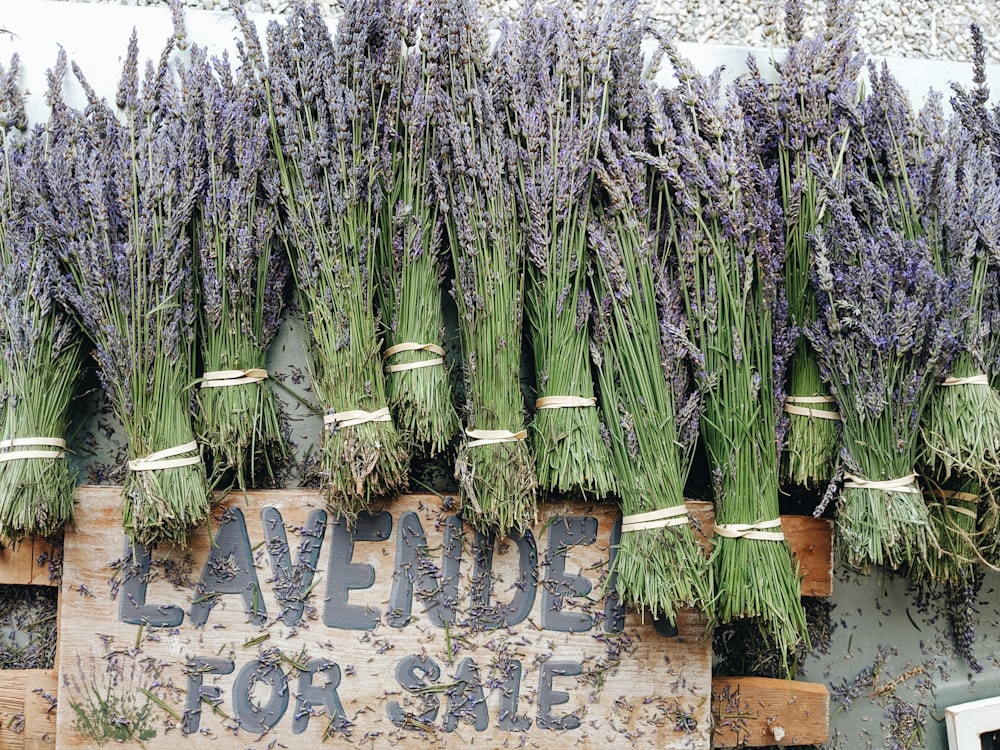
{"points": [[805, 411], [971, 380], [354, 417], [9, 455], [901, 484], [758, 531], [413, 346], [564, 402], [224, 378], [492, 437], [961, 497], [675, 515], [166, 459]]}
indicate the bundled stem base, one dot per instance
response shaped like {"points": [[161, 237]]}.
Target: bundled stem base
{"points": [[362, 463], [498, 485], [812, 443], [878, 527], [664, 569], [952, 515]]}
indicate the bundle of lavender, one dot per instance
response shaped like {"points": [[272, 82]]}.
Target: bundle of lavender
{"points": [[119, 196], [410, 253], [882, 340], [478, 171], [325, 100], [242, 273], [961, 425], [41, 346], [725, 231], [814, 101], [556, 62]]}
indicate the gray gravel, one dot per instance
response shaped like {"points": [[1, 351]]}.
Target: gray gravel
{"points": [[904, 28]]}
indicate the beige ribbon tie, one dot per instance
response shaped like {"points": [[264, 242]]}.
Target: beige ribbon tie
{"points": [[354, 417], [492, 437], [980, 379], [224, 378], [758, 531], [166, 459], [565, 402], [9, 455], [413, 346], [675, 515]]}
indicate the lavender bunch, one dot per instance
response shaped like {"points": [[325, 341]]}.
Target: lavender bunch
{"points": [[242, 273], [42, 349], [325, 100], [640, 349], [814, 103], [410, 249], [726, 237], [119, 196], [961, 217], [478, 169], [882, 341], [557, 63]]}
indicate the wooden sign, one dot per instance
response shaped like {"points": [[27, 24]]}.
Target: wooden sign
{"points": [[281, 626]]}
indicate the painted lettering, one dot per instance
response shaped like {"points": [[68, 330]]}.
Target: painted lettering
{"points": [[310, 695], [486, 614], [466, 701], [559, 585], [406, 676], [251, 715], [132, 606], [510, 690], [437, 589], [346, 576], [292, 583], [199, 693], [549, 697], [229, 570]]}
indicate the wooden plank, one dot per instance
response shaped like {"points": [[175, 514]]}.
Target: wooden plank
{"points": [[760, 712], [810, 540], [27, 564], [28, 708], [432, 666]]}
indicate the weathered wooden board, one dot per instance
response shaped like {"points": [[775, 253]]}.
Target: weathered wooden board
{"points": [[810, 540], [28, 709], [760, 712], [410, 630], [29, 564]]}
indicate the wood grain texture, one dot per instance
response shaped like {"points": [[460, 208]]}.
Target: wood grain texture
{"points": [[27, 709], [760, 712], [408, 681], [810, 540], [28, 564]]}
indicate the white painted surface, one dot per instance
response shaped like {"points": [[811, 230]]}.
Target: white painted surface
{"points": [[968, 721]]}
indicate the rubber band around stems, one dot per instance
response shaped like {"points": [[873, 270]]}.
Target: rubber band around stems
{"points": [[675, 515], [901, 484], [354, 417], [165, 459], [492, 437], [565, 402], [6, 455], [805, 411], [955, 509], [225, 378], [756, 531], [413, 346], [980, 379], [962, 497]]}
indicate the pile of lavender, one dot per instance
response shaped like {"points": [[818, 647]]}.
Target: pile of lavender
{"points": [[42, 350], [119, 194], [324, 99], [480, 167], [556, 61], [242, 270], [411, 255]]}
